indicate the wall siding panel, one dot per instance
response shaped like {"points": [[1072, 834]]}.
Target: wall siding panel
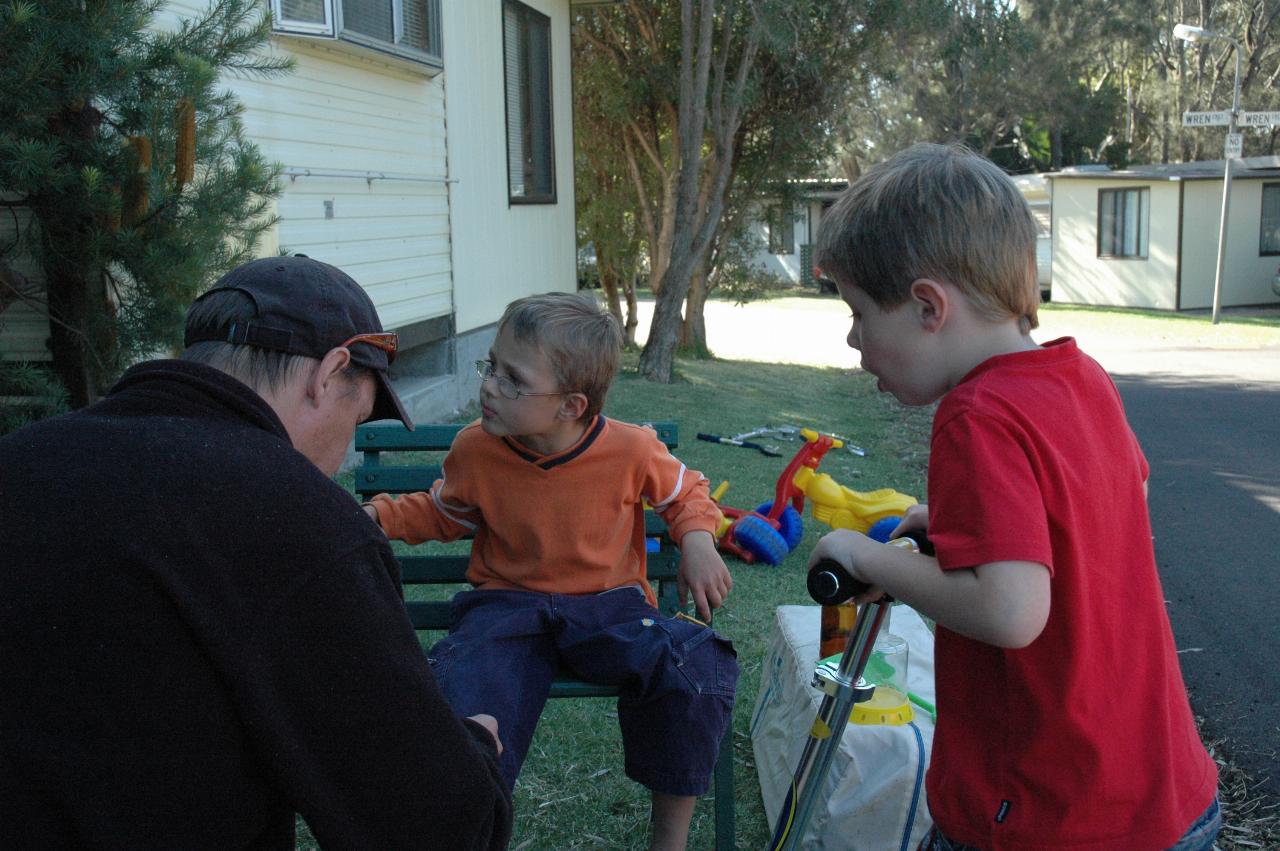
{"points": [[345, 111]]}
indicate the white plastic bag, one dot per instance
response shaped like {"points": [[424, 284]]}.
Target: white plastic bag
{"points": [[872, 798]]}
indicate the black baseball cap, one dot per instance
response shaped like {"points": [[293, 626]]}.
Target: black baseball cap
{"points": [[305, 307]]}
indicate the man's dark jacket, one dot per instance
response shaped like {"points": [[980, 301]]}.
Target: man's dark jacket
{"points": [[201, 634]]}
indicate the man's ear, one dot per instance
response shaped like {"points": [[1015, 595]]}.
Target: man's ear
{"points": [[572, 406], [931, 302], [326, 376]]}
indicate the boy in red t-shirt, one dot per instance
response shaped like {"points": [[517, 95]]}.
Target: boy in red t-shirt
{"points": [[1063, 721]]}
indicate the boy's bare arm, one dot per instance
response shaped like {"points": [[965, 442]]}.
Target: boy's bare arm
{"points": [[702, 573], [1004, 603]]}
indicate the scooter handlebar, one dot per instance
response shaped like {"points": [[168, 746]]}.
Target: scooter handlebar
{"points": [[830, 584]]}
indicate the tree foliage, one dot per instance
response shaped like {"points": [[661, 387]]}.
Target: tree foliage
{"points": [[713, 105], [125, 170], [695, 113]]}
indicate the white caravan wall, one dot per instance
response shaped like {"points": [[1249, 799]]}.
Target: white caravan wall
{"points": [[1080, 276], [1246, 274], [502, 251], [348, 113]]}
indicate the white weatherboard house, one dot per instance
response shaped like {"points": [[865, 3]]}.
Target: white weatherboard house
{"points": [[428, 151], [1147, 236]]}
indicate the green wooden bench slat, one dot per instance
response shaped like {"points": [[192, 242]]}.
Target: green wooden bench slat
{"points": [[433, 569], [424, 615], [394, 436], [372, 480], [425, 568], [426, 437]]}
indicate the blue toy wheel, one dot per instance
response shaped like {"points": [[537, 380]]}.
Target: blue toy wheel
{"points": [[790, 524], [883, 528], [760, 539]]}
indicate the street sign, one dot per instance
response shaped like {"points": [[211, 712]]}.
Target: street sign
{"points": [[1234, 146], [1259, 119], [1206, 119]]}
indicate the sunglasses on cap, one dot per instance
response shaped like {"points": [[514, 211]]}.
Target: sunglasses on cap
{"points": [[385, 340]]}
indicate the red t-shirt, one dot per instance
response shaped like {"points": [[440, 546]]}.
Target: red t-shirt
{"points": [[1084, 739]]}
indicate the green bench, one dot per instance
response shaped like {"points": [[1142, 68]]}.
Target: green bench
{"points": [[375, 441]]}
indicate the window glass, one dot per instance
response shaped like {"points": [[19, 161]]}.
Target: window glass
{"points": [[527, 74], [1123, 221], [1269, 238], [416, 27], [309, 11], [374, 18], [409, 29]]}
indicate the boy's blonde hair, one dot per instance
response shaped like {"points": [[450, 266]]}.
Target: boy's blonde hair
{"points": [[579, 337], [941, 212]]}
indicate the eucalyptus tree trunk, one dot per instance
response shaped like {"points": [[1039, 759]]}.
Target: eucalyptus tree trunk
{"points": [[693, 227]]}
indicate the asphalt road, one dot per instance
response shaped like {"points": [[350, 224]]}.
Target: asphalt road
{"points": [[1214, 449]]}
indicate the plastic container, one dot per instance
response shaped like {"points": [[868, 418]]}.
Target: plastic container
{"points": [[888, 663]]}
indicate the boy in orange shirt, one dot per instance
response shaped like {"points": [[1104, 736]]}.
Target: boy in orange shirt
{"points": [[1063, 722], [552, 491]]}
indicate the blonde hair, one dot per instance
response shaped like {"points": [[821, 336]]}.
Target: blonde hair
{"points": [[941, 212], [580, 338]]}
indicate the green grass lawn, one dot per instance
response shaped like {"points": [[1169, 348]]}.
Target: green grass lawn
{"points": [[573, 792]]}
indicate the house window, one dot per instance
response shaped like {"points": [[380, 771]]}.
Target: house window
{"points": [[409, 29], [1269, 238], [1122, 222], [526, 48], [782, 231]]}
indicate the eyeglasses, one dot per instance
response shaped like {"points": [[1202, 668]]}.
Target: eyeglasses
{"points": [[385, 340], [507, 387]]}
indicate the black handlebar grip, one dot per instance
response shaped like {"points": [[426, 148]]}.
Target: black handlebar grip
{"points": [[830, 585]]}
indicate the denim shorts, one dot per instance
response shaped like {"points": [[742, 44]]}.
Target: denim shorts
{"points": [[676, 678], [1199, 837]]}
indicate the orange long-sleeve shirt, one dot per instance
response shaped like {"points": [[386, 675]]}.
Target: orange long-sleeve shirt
{"points": [[568, 523]]}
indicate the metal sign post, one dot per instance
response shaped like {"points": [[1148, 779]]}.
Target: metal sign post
{"points": [[1233, 146]]}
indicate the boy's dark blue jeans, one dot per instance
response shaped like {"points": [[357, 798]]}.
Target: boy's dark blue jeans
{"points": [[677, 678], [1199, 837]]}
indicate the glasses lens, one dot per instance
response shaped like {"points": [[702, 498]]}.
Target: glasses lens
{"points": [[506, 386]]}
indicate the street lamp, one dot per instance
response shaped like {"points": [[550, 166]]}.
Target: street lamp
{"points": [[1195, 35]]}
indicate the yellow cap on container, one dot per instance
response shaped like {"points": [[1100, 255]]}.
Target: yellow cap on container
{"points": [[887, 706]]}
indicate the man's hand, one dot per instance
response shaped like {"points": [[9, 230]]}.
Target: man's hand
{"points": [[491, 724], [703, 573]]}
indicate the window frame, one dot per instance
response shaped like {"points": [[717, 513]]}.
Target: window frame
{"points": [[1143, 224], [525, 15], [1263, 251], [334, 29]]}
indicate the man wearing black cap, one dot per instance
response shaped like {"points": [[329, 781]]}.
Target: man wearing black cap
{"points": [[200, 633]]}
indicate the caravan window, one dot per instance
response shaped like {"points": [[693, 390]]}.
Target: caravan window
{"points": [[1123, 221], [409, 29], [526, 48], [1269, 237]]}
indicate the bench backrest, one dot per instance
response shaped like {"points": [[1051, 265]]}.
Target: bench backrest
{"points": [[410, 473]]}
